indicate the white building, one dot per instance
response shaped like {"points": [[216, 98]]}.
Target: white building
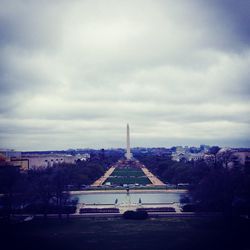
{"points": [[48, 160], [187, 156]]}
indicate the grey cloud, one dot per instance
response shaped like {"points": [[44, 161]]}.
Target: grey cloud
{"points": [[237, 15], [78, 71], [30, 25]]}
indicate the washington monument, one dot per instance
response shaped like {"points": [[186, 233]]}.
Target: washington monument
{"points": [[128, 154]]}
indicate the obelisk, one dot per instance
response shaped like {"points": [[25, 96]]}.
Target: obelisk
{"points": [[128, 154]]}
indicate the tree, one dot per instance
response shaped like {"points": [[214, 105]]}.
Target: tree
{"points": [[224, 190], [42, 188], [214, 150], [9, 176], [224, 156], [60, 180]]}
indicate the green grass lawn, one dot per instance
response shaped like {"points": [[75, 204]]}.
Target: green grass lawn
{"points": [[128, 175], [128, 180], [116, 233], [127, 171]]}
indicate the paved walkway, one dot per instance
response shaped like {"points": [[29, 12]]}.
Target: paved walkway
{"points": [[101, 180], [123, 207], [155, 181], [123, 190]]}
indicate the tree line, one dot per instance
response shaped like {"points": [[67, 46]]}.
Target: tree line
{"points": [[213, 186], [44, 190]]}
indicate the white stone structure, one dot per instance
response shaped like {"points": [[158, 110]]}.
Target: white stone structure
{"points": [[187, 156], [128, 154], [48, 160]]}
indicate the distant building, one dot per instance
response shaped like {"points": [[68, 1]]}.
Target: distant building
{"points": [[240, 158], [33, 161], [204, 148], [10, 153], [180, 149], [82, 157], [186, 156], [195, 157], [179, 157], [22, 163], [12, 157], [229, 157], [48, 160]]}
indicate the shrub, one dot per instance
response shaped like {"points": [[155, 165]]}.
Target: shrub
{"points": [[189, 208], [135, 215], [41, 209]]}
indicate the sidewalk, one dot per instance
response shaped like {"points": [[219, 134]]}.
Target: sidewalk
{"points": [[155, 181], [101, 180]]}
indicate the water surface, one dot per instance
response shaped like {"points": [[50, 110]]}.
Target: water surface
{"points": [[109, 198]]}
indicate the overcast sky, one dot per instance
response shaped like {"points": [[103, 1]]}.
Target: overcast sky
{"points": [[74, 73]]}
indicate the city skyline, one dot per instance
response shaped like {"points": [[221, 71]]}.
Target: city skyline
{"points": [[73, 73]]}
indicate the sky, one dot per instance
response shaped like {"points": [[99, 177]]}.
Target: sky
{"points": [[74, 73]]}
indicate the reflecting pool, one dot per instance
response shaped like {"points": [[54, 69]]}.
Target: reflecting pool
{"points": [[110, 198]]}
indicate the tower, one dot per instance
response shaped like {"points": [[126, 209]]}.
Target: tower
{"points": [[128, 154]]}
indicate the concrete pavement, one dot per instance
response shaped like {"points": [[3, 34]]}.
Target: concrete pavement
{"points": [[101, 180], [155, 181]]}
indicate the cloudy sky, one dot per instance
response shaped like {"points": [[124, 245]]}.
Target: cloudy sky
{"points": [[73, 73]]}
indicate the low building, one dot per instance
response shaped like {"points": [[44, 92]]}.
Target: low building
{"points": [[240, 158], [195, 157], [10, 153], [21, 162], [187, 156], [49, 160]]}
